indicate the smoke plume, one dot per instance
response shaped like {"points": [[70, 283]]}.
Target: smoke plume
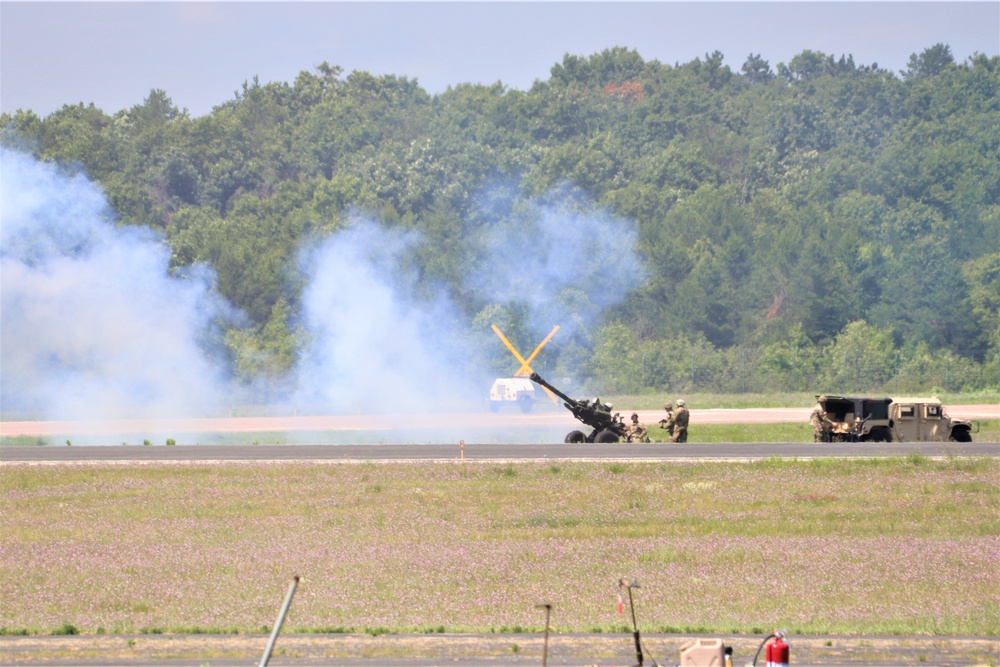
{"points": [[373, 345], [93, 325], [566, 260]]}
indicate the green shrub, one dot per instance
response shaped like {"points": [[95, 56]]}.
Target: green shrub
{"points": [[66, 629]]}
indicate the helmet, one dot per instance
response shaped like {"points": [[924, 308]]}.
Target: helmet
{"points": [[680, 402], [610, 406], [668, 406], [635, 416]]}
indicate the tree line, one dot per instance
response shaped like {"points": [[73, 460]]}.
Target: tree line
{"points": [[817, 225]]}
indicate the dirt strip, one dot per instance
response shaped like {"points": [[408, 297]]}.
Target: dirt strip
{"points": [[481, 649], [548, 418]]}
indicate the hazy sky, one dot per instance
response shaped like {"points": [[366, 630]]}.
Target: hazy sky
{"points": [[200, 53]]}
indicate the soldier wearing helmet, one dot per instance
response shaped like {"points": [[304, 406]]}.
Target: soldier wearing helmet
{"points": [[636, 432], [821, 424], [680, 423], [668, 422]]}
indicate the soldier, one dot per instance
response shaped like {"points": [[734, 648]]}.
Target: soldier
{"points": [[629, 432], [821, 424], [636, 432], [680, 423], [668, 423]]}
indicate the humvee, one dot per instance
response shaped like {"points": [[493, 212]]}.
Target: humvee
{"points": [[855, 419], [925, 419], [512, 391]]}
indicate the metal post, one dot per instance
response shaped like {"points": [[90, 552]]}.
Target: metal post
{"points": [[545, 646], [278, 623], [635, 628]]}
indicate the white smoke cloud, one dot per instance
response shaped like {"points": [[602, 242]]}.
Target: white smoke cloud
{"points": [[91, 323], [566, 260], [373, 346]]}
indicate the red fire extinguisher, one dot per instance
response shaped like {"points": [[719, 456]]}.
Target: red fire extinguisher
{"points": [[776, 652]]}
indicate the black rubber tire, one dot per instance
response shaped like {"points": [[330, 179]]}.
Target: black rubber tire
{"points": [[575, 437], [494, 406], [606, 436], [525, 403], [960, 435], [879, 434]]}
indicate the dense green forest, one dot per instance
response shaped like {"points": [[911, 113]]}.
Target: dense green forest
{"points": [[818, 225]]}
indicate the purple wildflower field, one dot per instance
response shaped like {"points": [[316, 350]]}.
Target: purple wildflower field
{"points": [[899, 546]]}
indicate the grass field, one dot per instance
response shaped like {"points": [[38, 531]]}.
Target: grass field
{"points": [[908, 545]]}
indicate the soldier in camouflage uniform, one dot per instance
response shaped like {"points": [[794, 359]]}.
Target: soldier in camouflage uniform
{"points": [[680, 423], [668, 423], [636, 432], [821, 424]]}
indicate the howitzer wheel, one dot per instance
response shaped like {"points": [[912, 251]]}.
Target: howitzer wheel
{"points": [[575, 437], [606, 435]]}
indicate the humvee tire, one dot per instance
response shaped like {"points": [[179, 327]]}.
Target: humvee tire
{"points": [[960, 434]]}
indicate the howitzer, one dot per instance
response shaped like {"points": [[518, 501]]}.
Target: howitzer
{"points": [[605, 426]]}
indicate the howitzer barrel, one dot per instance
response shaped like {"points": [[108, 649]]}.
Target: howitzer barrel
{"points": [[539, 380], [595, 415]]}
